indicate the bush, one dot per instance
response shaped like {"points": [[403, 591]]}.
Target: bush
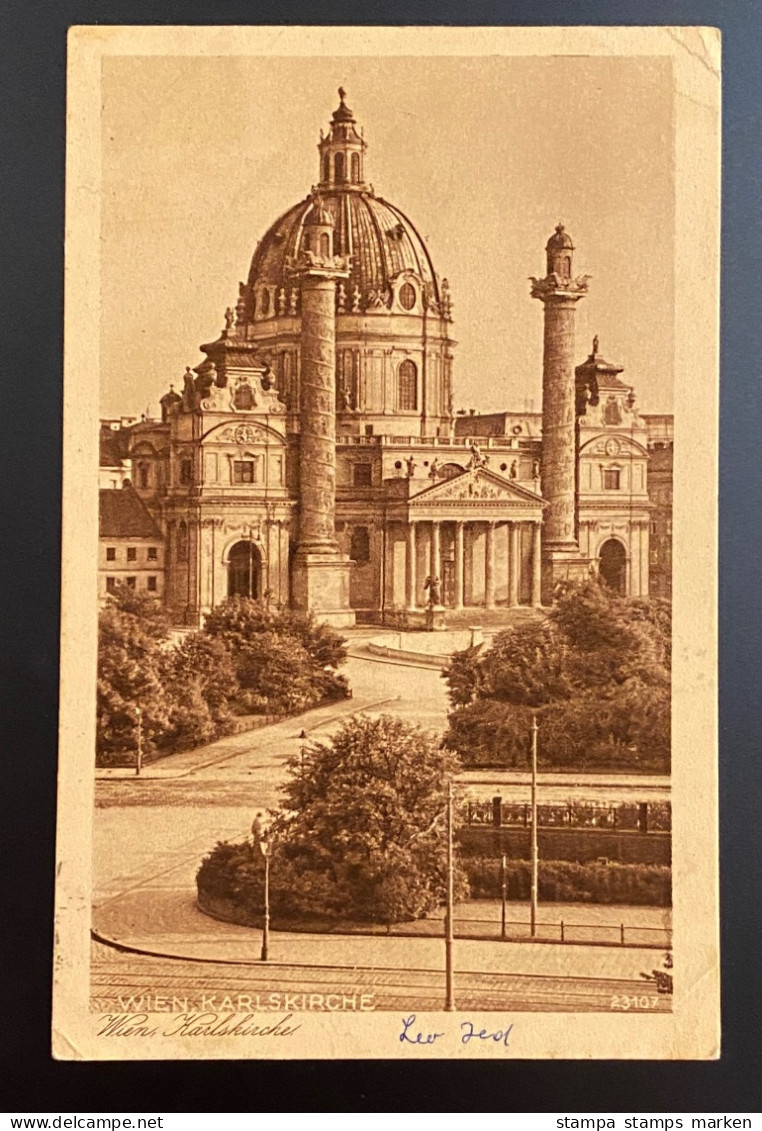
{"points": [[596, 674], [284, 661], [362, 836], [563, 881]]}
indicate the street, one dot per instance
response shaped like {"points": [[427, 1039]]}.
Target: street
{"points": [[150, 834]]}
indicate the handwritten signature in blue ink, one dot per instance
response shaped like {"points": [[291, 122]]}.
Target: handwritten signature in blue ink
{"points": [[499, 1036], [408, 1037], [417, 1036]]}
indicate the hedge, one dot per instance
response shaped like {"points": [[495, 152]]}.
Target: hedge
{"points": [[567, 882]]}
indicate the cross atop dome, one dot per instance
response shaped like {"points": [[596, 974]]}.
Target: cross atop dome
{"points": [[342, 152]]}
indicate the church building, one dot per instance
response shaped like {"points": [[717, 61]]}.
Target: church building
{"points": [[313, 458]]}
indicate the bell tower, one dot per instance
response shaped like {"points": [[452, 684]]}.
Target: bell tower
{"points": [[559, 293]]}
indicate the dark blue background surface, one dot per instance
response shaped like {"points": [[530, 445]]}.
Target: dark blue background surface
{"points": [[32, 78]]}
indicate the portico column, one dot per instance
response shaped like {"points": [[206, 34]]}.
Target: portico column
{"points": [[536, 564], [489, 567], [410, 567], [459, 570], [513, 566], [434, 560]]}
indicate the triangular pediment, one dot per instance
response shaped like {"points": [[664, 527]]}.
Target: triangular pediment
{"points": [[478, 484]]}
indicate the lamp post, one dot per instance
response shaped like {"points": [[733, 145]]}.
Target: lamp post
{"points": [[260, 832], [139, 746], [533, 835], [265, 850], [449, 931]]}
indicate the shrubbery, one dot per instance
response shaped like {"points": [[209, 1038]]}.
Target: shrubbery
{"points": [[596, 672], [563, 881], [247, 659], [362, 834]]}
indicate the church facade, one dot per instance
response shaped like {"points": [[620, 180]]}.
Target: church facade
{"points": [[314, 458]]}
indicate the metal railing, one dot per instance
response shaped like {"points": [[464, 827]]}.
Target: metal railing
{"points": [[643, 817]]}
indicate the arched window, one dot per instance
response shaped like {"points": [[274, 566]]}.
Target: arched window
{"points": [[325, 244], [356, 168], [407, 387], [338, 167], [326, 166], [143, 475], [264, 304]]}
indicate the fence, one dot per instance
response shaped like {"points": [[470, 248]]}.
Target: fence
{"points": [[592, 934], [643, 817]]}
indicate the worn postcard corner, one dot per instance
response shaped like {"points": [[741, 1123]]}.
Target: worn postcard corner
{"points": [[388, 693]]}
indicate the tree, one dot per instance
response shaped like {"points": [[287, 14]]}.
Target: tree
{"points": [[151, 614], [283, 660], [183, 691], [129, 676], [596, 671], [362, 832], [200, 682]]}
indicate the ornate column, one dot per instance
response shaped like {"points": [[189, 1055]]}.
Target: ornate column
{"points": [[436, 552], [321, 571], [536, 563], [411, 581], [459, 566], [514, 564], [489, 566], [559, 292]]}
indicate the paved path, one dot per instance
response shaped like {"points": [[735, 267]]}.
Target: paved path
{"points": [[151, 833]]}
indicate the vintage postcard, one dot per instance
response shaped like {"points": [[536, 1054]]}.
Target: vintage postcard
{"points": [[388, 714]]}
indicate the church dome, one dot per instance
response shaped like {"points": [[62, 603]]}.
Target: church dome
{"points": [[378, 238], [382, 244]]}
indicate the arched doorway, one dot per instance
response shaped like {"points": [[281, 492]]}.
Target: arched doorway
{"points": [[612, 561], [244, 571]]}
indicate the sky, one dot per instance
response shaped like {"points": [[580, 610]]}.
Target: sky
{"points": [[200, 155]]}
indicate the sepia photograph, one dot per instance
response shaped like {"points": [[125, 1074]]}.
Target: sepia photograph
{"points": [[390, 448]]}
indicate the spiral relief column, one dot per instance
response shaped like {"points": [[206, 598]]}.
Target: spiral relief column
{"points": [[559, 292], [321, 571], [317, 453]]}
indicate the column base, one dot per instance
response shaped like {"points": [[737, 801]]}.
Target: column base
{"points": [[320, 585], [561, 563]]}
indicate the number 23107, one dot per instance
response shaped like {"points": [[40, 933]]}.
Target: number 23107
{"points": [[634, 1001]]}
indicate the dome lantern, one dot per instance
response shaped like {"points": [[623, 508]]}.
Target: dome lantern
{"points": [[342, 151]]}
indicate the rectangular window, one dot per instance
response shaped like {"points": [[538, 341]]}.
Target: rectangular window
{"points": [[153, 553], [131, 582], [111, 553], [611, 478], [151, 584], [362, 475], [186, 471], [654, 528], [110, 584], [243, 471], [132, 553]]}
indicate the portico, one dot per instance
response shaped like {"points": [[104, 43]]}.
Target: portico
{"points": [[478, 533]]}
